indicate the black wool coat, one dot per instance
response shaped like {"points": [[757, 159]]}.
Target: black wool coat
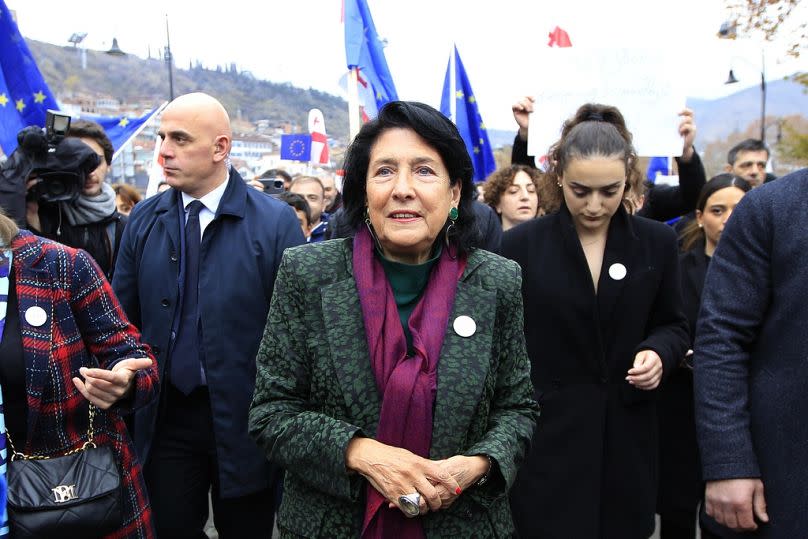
{"points": [[680, 485], [592, 469]]}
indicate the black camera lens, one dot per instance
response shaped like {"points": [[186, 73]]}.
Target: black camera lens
{"points": [[59, 186], [272, 185]]}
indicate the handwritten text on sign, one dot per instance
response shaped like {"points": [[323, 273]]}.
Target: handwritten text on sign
{"points": [[642, 83]]}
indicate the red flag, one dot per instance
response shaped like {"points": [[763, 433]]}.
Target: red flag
{"points": [[559, 38]]}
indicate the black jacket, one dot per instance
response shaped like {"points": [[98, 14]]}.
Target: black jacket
{"points": [[591, 471], [100, 239], [680, 485], [662, 202]]}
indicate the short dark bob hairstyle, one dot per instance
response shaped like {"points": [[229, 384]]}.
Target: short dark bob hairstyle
{"points": [[440, 134]]}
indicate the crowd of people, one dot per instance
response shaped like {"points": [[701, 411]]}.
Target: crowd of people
{"points": [[407, 354]]}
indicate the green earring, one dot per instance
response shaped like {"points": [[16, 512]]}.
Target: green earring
{"points": [[453, 214]]}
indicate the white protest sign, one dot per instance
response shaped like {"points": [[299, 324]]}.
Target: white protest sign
{"points": [[642, 83]]}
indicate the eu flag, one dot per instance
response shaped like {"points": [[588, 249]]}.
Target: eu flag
{"points": [[24, 96], [296, 147], [467, 118], [364, 49], [120, 129]]}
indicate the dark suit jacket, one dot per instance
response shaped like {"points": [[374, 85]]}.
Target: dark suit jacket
{"points": [[680, 485], [240, 253], [751, 372], [316, 390], [591, 471]]}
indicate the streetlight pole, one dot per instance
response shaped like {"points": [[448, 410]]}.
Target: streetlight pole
{"points": [[169, 61], [762, 98], [728, 30]]}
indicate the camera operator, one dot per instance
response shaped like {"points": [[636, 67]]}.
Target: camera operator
{"points": [[90, 220]]}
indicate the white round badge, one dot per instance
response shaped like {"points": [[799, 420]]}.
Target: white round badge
{"points": [[617, 271], [464, 326], [36, 316]]}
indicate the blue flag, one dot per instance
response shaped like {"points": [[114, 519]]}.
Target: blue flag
{"points": [[120, 129], [467, 119], [657, 165], [364, 49], [296, 147], [24, 96]]}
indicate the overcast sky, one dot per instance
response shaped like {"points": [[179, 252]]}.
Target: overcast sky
{"points": [[301, 41]]}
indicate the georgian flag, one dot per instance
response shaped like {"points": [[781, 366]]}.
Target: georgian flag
{"points": [[319, 141]]}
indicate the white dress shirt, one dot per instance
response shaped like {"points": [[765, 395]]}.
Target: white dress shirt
{"points": [[210, 203]]}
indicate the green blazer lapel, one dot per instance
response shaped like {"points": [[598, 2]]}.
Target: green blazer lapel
{"points": [[345, 330], [463, 367]]}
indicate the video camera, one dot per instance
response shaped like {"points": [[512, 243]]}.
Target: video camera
{"points": [[272, 185], [59, 164]]}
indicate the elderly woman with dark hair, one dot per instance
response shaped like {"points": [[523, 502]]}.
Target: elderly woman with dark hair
{"points": [[393, 381]]}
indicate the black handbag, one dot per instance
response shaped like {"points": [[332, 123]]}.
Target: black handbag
{"points": [[74, 495]]}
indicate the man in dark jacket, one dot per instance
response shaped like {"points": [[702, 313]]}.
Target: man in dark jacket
{"points": [[196, 272], [751, 365], [662, 202], [748, 159], [90, 221]]}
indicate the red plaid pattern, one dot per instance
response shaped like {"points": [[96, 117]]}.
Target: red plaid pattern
{"points": [[86, 327]]}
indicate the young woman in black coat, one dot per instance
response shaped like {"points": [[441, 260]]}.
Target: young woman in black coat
{"points": [[680, 485], [604, 325]]}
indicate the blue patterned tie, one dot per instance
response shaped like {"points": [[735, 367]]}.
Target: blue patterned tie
{"points": [[186, 366]]}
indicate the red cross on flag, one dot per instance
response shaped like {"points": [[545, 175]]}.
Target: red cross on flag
{"points": [[559, 38], [319, 141]]}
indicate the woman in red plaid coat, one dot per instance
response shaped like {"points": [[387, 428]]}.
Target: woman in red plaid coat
{"points": [[66, 341]]}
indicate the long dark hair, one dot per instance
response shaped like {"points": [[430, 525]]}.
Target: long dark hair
{"points": [[440, 134], [692, 234], [595, 130]]}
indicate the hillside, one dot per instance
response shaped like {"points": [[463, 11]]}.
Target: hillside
{"points": [[132, 79], [717, 119]]}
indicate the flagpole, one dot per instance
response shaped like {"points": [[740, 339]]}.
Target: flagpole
{"points": [[157, 111], [353, 103], [155, 171], [452, 85]]}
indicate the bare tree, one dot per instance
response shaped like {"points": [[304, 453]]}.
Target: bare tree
{"points": [[772, 18]]}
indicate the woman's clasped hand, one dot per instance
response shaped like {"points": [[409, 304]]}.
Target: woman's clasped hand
{"points": [[395, 472]]}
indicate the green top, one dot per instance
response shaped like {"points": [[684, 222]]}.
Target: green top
{"points": [[408, 282]]}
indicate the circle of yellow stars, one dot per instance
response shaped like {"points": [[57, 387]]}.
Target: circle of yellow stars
{"points": [[20, 104]]}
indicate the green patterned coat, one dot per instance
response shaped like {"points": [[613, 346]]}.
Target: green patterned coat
{"points": [[315, 390]]}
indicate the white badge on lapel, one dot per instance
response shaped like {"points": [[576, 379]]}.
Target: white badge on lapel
{"points": [[464, 326], [617, 271], [36, 316]]}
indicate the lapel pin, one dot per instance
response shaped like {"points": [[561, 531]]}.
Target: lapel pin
{"points": [[464, 326], [617, 271], [36, 316]]}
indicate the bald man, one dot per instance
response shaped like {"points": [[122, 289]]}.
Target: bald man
{"points": [[195, 273]]}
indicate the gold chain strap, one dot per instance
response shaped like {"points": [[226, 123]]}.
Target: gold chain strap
{"points": [[88, 444]]}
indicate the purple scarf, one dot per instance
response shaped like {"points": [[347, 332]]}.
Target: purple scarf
{"points": [[407, 385]]}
